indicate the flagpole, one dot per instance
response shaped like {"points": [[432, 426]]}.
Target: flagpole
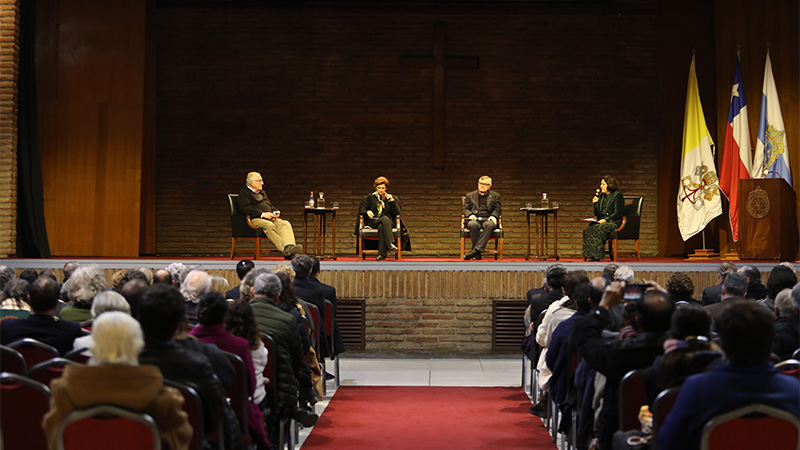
{"points": [[703, 253]]}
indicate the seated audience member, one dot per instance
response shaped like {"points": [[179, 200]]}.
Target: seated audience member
{"points": [[616, 358], [681, 288], [713, 294], [330, 295], [162, 313], [309, 381], [133, 291], [539, 302], [557, 312], [162, 276], [49, 274], [609, 270], [242, 268], [554, 282], [211, 311], [105, 301], [733, 288], [780, 278], [6, 274], [196, 285], [175, 270], [249, 280], [29, 275], [747, 376], [624, 273], [15, 295], [81, 288], [755, 289], [42, 324], [282, 327], [787, 324], [219, 284], [239, 321], [558, 353], [308, 289], [688, 351], [115, 377]]}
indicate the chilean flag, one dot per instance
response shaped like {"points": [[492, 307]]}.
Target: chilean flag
{"points": [[736, 150]]}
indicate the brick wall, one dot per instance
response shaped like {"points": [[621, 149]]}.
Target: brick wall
{"points": [[315, 99], [9, 63]]}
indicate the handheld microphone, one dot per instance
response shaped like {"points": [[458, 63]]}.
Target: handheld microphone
{"points": [[597, 192]]}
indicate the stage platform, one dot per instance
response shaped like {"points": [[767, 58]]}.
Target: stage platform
{"points": [[425, 306]]}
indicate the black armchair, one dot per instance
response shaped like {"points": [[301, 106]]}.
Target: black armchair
{"points": [[242, 228], [629, 230]]}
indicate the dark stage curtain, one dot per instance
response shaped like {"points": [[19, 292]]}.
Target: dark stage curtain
{"points": [[31, 229]]}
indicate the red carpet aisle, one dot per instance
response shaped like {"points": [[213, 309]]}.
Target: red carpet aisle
{"points": [[374, 418]]}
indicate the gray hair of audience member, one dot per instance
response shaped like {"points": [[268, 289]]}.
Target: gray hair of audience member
{"points": [[751, 272], [175, 270], [6, 274], [735, 284], [249, 280], [116, 339], [796, 296], [725, 269], [784, 305], [18, 290], [608, 271], [107, 301], [85, 284], [196, 285], [187, 270], [69, 268], [268, 285], [303, 265], [623, 273]]}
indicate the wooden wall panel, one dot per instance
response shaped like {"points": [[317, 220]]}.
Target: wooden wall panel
{"points": [[90, 74]]}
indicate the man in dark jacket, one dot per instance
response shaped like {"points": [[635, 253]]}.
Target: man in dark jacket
{"points": [[42, 324], [755, 289], [482, 210], [162, 312], [254, 202], [282, 328]]}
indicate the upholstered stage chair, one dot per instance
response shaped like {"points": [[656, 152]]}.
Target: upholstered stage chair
{"points": [[243, 228], [629, 230], [366, 233]]}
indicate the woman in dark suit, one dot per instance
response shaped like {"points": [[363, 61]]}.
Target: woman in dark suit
{"points": [[608, 211], [379, 210]]}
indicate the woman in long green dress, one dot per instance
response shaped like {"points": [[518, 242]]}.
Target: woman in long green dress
{"points": [[609, 212]]}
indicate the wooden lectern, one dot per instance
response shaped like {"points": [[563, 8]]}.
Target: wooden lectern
{"points": [[767, 220]]}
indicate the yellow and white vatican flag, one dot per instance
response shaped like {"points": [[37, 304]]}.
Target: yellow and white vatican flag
{"points": [[698, 195]]}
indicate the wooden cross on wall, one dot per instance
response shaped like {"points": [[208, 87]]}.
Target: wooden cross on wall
{"points": [[439, 61]]}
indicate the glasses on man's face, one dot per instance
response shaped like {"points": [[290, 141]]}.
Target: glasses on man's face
{"points": [[484, 184], [258, 181]]}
